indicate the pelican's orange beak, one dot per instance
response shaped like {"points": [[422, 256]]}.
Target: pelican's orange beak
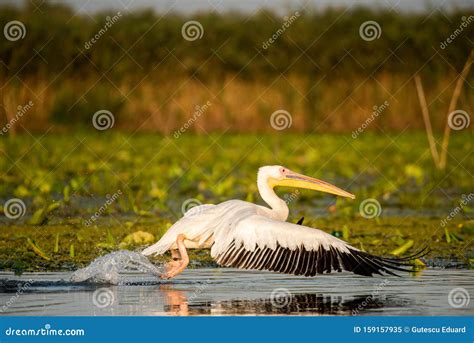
{"points": [[293, 179]]}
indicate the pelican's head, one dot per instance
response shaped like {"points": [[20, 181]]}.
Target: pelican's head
{"points": [[282, 176]]}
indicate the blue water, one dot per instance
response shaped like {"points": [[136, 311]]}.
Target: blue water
{"points": [[216, 291]]}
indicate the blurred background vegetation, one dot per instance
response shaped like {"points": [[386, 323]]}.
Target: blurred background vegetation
{"points": [[144, 72]]}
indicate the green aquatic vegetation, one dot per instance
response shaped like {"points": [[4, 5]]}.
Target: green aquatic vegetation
{"points": [[403, 248], [110, 242], [87, 243], [37, 250], [467, 229], [345, 233], [21, 192], [451, 237], [66, 194], [137, 238], [415, 172], [56, 244], [157, 174], [40, 217]]}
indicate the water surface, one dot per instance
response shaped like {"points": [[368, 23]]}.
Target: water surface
{"points": [[216, 291]]}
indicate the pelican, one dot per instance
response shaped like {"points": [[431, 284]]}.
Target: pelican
{"points": [[249, 236]]}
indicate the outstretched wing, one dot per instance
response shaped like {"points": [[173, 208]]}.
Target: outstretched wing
{"points": [[262, 243]]}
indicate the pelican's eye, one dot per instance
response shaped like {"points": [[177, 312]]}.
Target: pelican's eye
{"points": [[283, 171]]}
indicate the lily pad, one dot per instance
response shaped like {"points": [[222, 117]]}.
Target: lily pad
{"points": [[137, 238]]}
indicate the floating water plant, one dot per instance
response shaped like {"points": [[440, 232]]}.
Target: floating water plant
{"points": [[40, 217], [37, 250], [56, 244], [403, 248], [137, 238]]}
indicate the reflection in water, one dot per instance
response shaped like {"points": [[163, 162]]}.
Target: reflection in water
{"points": [[209, 291], [153, 298], [176, 303]]}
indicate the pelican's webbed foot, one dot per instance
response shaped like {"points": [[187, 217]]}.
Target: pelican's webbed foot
{"points": [[178, 264]]}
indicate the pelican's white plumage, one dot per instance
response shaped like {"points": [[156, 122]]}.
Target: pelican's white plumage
{"points": [[250, 236]]}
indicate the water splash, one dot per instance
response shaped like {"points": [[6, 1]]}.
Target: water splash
{"points": [[107, 268]]}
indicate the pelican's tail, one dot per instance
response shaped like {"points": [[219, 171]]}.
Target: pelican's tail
{"points": [[156, 249], [194, 224], [160, 247]]}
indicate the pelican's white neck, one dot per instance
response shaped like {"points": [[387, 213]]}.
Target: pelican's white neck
{"points": [[279, 208]]}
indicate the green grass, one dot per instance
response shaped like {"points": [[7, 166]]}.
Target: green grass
{"points": [[65, 179]]}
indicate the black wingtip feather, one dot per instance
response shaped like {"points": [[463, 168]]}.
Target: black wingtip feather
{"points": [[388, 264], [311, 262], [419, 254]]}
